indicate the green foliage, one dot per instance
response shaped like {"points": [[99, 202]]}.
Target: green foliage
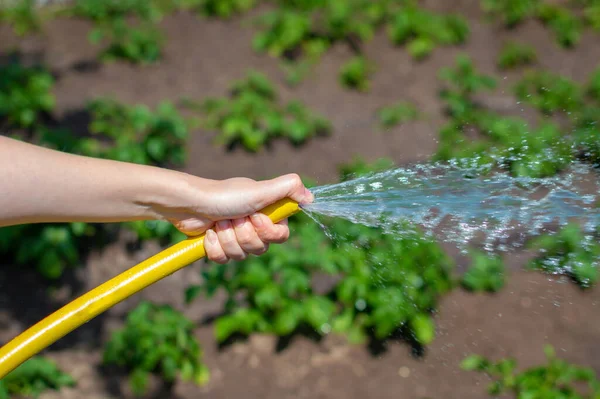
{"points": [[423, 30], [302, 31], [138, 134], [511, 12], [594, 85], [355, 74], [160, 340], [33, 377], [282, 31], [463, 81], [22, 15], [139, 41], [569, 252], [591, 13], [587, 133], [557, 379], [486, 274], [253, 117], [549, 93], [565, 25], [385, 283], [50, 249], [25, 95], [225, 8], [138, 44], [396, 114], [358, 167], [507, 142], [515, 54]]}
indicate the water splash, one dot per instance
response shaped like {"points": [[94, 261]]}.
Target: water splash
{"points": [[458, 204]]}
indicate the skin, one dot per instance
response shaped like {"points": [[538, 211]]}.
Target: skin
{"points": [[39, 185]]}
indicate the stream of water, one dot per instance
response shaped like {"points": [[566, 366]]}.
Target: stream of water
{"points": [[458, 204]]}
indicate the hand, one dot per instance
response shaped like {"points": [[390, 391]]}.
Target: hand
{"points": [[227, 211]]}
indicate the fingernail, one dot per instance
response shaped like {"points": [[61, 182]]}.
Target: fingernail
{"points": [[308, 196], [223, 224], [257, 220], [238, 222], [211, 236]]}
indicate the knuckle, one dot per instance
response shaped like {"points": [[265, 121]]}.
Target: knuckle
{"points": [[295, 179], [262, 250], [239, 256]]}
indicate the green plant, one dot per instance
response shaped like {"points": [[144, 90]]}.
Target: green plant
{"points": [[424, 30], [549, 93], [511, 12], [156, 339], [565, 25], [253, 117], [515, 54], [33, 377], [541, 153], [398, 113], [139, 44], [569, 252], [593, 88], [137, 133], [22, 15], [302, 31], [282, 32], [25, 95], [50, 249], [384, 283], [358, 167], [556, 379], [463, 81], [507, 142], [139, 41], [591, 13], [486, 273], [355, 74], [224, 8], [587, 133]]}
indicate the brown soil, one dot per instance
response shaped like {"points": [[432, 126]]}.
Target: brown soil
{"points": [[202, 57]]}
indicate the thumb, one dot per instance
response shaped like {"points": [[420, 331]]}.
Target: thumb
{"points": [[286, 186]]}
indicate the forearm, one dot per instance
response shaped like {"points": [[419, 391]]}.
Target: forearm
{"points": [[42, 185]]}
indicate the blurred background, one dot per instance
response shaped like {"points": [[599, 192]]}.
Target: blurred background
{"points": [[329, 90]]}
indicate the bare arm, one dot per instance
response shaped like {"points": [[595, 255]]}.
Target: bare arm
{"points": [[42, 185]]}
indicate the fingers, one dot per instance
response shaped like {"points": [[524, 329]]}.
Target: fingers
{"points": [[286, 186], [238, 238], [247, 237], [228, 240], [213, 248], [269, 232]]}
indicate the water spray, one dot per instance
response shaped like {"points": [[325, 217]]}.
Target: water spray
{"points": [[447, 201]]}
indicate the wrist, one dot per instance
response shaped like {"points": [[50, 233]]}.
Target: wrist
{"points": [[165, 192]]}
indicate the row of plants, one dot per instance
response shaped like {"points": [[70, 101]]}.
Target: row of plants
{"points": [[298, 32], [556, 379], [566, 21]]}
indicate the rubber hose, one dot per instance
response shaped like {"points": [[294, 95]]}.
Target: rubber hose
{"points": [[107, 295]]}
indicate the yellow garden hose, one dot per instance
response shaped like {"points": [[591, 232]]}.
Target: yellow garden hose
{"points": [[119, 288]]}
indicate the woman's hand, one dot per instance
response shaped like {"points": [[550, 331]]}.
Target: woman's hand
{"points": [[227, 211]]}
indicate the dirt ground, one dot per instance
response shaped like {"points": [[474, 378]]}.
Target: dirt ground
{"points": [[201, 59]]}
